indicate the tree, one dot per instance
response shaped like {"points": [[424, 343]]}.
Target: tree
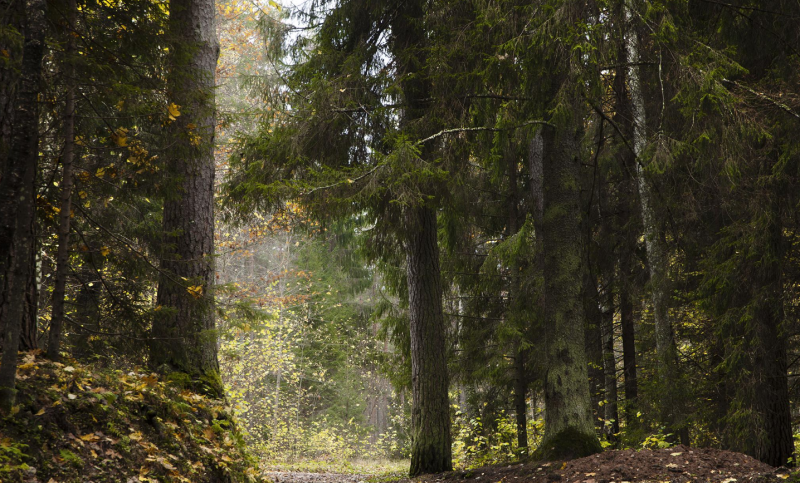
{"points": [[184, 339], [17, 190]]}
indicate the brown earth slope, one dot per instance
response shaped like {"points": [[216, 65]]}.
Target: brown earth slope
{"points": [[679, 464]]}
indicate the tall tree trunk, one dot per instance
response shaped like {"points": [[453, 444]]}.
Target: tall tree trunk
{"points": [[430, 408], [430, 412], [516, 310], [184, 332], [611, 416], [671, 408], [62, 256], [772, 428], [569, 429], [29, 332], [17, 206], [627, 235]]}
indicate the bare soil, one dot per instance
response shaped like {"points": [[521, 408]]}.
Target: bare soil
{"points": [[679, 464]]}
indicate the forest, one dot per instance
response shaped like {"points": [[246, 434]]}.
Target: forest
{"points": [[399, 237]]}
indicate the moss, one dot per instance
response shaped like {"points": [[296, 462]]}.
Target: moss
{"points": [[568, 444], [71, 458]]}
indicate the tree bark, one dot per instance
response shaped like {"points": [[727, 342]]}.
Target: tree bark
{"points": [[569, 429], [17, 206], [184, 336], [772, 426], [671, 413], [430, 412], [62, 255]]}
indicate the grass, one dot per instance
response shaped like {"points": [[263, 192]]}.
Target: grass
{"points": [[378, 468]]}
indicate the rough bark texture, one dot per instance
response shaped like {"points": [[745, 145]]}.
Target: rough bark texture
{"points": [[772, 426], [184, 336], [62, 256], [430, 411], [569, 430], [17, 205]]}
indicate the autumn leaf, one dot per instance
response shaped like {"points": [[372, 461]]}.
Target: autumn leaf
{"points": [[195, 291], [173, 111], [105, 251]]}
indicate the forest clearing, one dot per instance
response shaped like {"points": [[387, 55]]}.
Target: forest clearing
{"points": [[370, 241]]}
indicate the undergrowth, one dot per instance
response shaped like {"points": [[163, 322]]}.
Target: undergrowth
{"points": [[76, 423]]}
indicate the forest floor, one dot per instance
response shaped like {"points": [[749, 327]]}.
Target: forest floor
{"points": [[679, 464]]}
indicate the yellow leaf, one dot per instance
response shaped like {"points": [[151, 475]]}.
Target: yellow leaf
{"points": [[105, 251], [41, 411], [100, 172], [195, 291], [173, 111], [191, 125], [275, 4]]}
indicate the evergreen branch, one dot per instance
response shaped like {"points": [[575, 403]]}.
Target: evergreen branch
{"points": [[478, 129], [421, 141], [348, 181], [764, 97]]}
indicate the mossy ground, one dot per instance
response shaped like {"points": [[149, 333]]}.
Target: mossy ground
{"points": [[76, 423]]}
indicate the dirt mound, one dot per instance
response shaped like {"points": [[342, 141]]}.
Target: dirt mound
{"points": [[679, 464]]}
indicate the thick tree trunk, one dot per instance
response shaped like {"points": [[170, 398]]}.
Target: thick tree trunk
{"points": [[29, 332], [17, 206], [772, 427], [430, 412], [62, 255], [184, 332], [569, 429]]}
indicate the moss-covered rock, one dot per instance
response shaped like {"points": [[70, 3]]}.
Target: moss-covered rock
{"points": [[566, 445]]}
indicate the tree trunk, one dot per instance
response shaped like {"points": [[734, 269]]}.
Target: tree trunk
{"points": [[62, 256], [671, 408], [569, 429], [184, 331], [17, 207], [611, 416], [772, 428], [430, 412], [517, 311]]}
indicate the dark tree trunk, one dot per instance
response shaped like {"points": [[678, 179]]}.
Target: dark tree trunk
{"points": [[29, 332], [62, 255], [17, 196], [430, 412], [184, 330], [772, 427], [627, 322], [593, 344], [569, 429], [517, 311], [611, 416]]}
